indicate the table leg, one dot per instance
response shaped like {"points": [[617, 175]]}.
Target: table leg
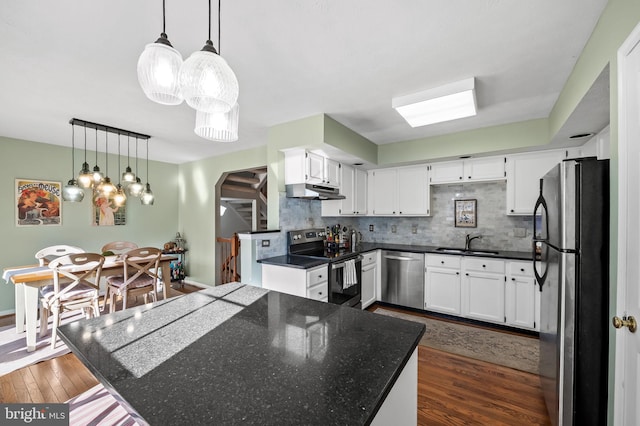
{"points": [[19, 289], [31, 311], [166, 279]]}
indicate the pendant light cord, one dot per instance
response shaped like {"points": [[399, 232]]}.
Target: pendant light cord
{"points": [[73, 149], [147, 161], [119, 174], [219, 48], [163, 18], [209, 19], [136, 157], [106, 153], [85, 144], [96, 146]]}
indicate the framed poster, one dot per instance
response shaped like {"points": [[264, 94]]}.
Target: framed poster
{"points": [[38, 203], [105, 212], [465, 213]]}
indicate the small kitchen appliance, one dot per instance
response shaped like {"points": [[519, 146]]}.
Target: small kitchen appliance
{"points": [[344, 266]]}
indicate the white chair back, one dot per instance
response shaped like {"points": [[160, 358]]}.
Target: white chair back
{"points": [[49, 253]]}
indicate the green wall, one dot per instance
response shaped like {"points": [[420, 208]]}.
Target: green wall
{"points": [[198, 207], [146, 225]]}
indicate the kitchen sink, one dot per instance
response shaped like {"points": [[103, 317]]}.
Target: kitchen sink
{"points": [[452, 250]]}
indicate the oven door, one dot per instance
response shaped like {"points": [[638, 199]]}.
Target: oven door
{"points": [[345, 284]]}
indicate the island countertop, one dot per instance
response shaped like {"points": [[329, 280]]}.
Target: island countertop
{"points": [[241, 354]]}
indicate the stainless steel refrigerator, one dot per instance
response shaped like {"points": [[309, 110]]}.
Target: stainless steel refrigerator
{"points": [[571, 228]]}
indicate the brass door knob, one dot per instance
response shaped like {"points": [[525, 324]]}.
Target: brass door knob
{"points": [[629, 322]]}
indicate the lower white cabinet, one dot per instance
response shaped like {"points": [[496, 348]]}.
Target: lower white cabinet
{"points": [[522, 303], [494, 290], [442, 281], [369, 278], [311, 283]]}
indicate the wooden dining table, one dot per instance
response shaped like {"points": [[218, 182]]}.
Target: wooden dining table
{"points": [[28, 283]]}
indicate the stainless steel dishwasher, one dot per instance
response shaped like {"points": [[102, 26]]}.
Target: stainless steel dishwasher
{"points": [[403, 279]]}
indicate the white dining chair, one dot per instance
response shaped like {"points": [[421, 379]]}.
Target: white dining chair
{"points": [[47, 254], [76, 279]]}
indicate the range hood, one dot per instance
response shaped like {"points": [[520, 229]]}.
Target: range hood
{"points": [[309, 191]]}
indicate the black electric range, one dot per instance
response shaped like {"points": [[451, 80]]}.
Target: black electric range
{"points": [[344, 266]]}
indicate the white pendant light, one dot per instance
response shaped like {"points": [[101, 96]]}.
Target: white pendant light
{"points": [[147, 198], [218, 126], [158, 69], [135, 189], [207, 82], [72, 192]]}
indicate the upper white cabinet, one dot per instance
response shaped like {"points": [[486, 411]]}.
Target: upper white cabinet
{"points": [[400, 191], [353, 185], [470, 170], [307, 167], [523, 178]]}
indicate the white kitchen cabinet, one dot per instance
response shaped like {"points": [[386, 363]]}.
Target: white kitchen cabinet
{"points": [[369, 278], [311, 283], [520, 295], [353, 185], [446, 172], [469, 170], [523, 178], [483, 289], [307, 167], [442, 284], [400, 191]]}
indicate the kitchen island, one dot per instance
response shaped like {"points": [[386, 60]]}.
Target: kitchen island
{"points": [[240, 354]]}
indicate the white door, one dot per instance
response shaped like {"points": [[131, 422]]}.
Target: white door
{"points": [[626, 403]]}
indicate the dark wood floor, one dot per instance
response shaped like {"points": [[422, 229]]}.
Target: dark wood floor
{"points": [[452, 390]]}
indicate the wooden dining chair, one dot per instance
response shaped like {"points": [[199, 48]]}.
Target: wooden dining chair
{"points": [[52, 252], [119, 247], [75, 286], [140, 277]]}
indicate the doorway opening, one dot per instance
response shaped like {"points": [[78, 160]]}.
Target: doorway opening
{"points": [[241, 206]]}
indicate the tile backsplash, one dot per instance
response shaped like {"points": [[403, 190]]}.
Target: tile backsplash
{"points": [[499, 231]]}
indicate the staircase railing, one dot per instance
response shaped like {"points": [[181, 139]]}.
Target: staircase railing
{"points": [[229, 251]]}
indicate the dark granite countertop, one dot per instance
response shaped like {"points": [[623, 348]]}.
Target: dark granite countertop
{"points": [[293, 261], [303, 262], [241, 354], [501, 254]]}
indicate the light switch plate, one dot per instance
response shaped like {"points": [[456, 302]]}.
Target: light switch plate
{"points": [[370, 228], [394, 229], [266, 243]]}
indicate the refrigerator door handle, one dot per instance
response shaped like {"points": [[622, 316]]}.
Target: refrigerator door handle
{"points": [[543, 239]]}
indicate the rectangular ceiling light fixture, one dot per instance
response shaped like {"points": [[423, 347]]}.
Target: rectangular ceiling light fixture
{"points": [[444, 103]]}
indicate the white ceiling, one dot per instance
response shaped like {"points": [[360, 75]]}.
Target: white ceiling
{"points": [[293, 59]]}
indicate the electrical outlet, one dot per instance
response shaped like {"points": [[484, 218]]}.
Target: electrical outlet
{"points": [[414, 229], [394, 229], [266, 243], [520, 232], [370, 228]]}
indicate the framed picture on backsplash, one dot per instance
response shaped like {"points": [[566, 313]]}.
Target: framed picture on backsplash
{"points": [[465, 213]]}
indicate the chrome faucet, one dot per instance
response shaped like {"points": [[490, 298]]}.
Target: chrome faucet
{"points": [[468, 239]]}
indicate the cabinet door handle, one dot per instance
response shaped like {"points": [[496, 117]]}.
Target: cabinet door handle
{"points": [[458, 273], [522, 269], [511, 210], [467, 274], [469, 177], [484, 266], [442, 261], [513, 279], [319, 276]]}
